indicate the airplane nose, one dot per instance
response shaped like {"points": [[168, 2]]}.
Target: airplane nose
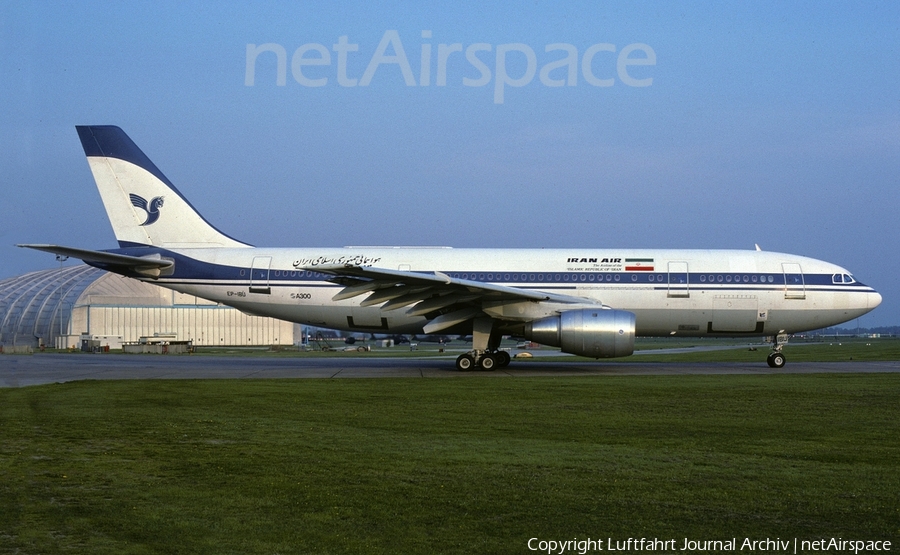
{"points": [[874, 299]]}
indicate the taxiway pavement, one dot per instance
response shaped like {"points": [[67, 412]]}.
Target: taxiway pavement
{"points": [[45, 368]]}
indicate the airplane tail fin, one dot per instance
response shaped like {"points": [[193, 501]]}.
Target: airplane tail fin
{"points": [[143, 206]]}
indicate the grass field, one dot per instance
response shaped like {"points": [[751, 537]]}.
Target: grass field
{"points": [[445, 466]]}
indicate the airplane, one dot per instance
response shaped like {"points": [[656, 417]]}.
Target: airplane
{"points": [[588, 302]]}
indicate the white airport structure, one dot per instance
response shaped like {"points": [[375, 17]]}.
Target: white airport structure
{"points": [[61, 308]]}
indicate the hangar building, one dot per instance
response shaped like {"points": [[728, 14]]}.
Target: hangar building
{"points": [[61, 307]]}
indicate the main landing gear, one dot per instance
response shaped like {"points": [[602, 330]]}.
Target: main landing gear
{"points": [[776, 358], [485, 353], [485, 360]]}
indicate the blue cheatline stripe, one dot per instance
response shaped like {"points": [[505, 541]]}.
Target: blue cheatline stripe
{"points": [[317, 283], [192, 271]]}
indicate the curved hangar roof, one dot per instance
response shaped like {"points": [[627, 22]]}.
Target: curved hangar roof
{"points": [[38, 306]]}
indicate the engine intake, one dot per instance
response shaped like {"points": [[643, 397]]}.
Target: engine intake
{"points": [[596, 333]]}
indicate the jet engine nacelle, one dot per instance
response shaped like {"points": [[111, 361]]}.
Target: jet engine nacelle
{"points": [[589, 332]]}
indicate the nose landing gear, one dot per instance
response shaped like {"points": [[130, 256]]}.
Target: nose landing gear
{"points": [[776, 358]]}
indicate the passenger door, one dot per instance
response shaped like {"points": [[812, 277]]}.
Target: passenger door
{"points": [[794, 286], [259, 275], [678, 280]]}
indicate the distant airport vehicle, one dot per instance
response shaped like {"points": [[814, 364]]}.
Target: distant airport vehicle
{"points": [[587, 302]]}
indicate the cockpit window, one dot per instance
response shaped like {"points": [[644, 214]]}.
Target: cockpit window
{"points": [[849, 279], [842, 278]]}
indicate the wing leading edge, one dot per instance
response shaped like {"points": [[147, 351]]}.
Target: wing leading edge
{"points": [[444, 300]]}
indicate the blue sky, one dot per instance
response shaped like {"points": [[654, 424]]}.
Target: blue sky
{"points": [[770, 123]]}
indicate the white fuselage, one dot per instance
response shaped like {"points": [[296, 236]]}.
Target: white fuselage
{"points": [[671, 292]]}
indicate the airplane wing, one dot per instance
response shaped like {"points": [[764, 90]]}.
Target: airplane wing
{"points": [[445, 300], [150, 266]]}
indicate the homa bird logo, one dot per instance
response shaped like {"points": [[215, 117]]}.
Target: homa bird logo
{"points": [[152, 209]]}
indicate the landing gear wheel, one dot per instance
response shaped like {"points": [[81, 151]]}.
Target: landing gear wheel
{"points": [[488, 362], [464, 363], [776, 360], [503, 359]]}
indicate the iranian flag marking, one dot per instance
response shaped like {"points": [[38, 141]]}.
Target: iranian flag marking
{"points": [[638, 264]]}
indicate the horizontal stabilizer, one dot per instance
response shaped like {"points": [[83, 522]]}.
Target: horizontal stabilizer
{"points": [[150, 266]]}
